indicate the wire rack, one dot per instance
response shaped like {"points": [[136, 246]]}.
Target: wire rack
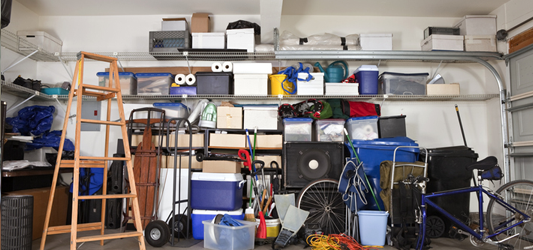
{"points": [[21, 46]]}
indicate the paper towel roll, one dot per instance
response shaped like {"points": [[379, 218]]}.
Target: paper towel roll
{"points": [[190, 79], [216, 67], [227, 67], [179, 79]]}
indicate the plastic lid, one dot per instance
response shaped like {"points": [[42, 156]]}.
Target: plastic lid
{"points": [[373, 212], [216, 177], [235, 31], [260, 107], [153, 74], [215, 212], [392, 117], [119, 74], [362, 118], [386, 142], [405, 74], [376, 35], [366, 68], [169, 104], [297, 120]]}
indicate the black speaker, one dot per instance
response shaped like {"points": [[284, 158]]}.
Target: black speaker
{"points": [[308, 161]]}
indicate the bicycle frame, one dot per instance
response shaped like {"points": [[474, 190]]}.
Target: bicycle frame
{"points": [[480, 191]]}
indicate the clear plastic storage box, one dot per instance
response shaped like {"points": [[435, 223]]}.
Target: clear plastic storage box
{"points": [[226, 237], [153, 83], [297, 129], [402, 84], [173, 109], [362, 128], [128, 82], [329, 130]]}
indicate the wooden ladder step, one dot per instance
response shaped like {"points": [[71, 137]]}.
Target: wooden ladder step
{"points": [[97, 57], [104, 158], [68, 228], [83, 164], [102, 122], [106, 196], [109, 236], [99, 95], [100, 88]]}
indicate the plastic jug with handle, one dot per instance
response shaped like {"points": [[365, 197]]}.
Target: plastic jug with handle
{"points": [[335, 71]]}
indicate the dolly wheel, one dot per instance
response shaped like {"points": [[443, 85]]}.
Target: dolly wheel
{"points": [[181, 228], [157, 233], [434, 227]]}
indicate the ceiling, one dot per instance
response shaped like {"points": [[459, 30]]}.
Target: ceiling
{"points": [[415, 8]]}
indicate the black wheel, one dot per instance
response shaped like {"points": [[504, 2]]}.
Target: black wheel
{"points": [[157, 233], [200, 157], [181, 227], [518, 194], [434, 227], [325, 205]]}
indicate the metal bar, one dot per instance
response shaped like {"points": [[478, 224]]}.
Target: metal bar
{"points": [[453, 219], [19, 61], [18, 105], [520, 107]]}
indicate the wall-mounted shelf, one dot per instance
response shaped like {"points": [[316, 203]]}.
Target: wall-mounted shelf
{"points": [[21, 46], [179, 56], [23, 92]]}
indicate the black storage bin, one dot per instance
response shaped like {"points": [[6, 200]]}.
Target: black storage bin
{"points": [[447, 169], [391, 126], [214, 83], [14, 151], [440, 31], [17, 222]]}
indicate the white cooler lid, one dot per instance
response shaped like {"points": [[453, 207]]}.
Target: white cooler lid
{"points": [[215, 212], [216, 177], [366, 68]]}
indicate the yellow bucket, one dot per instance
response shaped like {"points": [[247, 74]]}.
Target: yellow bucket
{"points": [[275, 85]]}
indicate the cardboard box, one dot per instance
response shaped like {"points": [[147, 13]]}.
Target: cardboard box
{"points": [[59, 213], [209, 40], [227, 140], [443, 89], [221, 166], [169, 162], [267, 159], [262, 117], [229, 117], [267, 141], [174, 24], [183, 140], [200, 22]]}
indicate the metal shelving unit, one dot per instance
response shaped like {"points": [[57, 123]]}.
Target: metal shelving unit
{"points": [[23, 92], [21, 46], [178, 56]]}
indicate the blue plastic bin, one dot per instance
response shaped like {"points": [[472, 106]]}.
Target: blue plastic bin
{"points": [[373, 227], [181, 90], [200, 215], [367, 77], [373, 152], [214, 191], [54, 91]]}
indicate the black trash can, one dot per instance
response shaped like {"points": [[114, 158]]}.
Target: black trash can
{"points": [[17, 222], [447, 170]]}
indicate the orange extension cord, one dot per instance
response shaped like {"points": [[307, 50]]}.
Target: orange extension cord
{"points": [[336, 242]]}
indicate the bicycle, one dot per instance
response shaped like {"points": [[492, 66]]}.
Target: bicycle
{"points": [[509, 211]]}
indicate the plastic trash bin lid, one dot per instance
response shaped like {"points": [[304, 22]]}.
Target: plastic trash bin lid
{"points": [[386, 143]]}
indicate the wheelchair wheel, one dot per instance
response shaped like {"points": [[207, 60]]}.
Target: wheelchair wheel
{"points": [[325, 205], [518, 194]]}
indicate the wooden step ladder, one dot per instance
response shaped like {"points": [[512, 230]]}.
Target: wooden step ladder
{"points": [[101, 93]]}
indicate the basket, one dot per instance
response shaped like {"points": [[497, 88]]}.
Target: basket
{"points": [[17, 222]]}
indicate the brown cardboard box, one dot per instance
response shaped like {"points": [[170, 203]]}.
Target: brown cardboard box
{"points": [[267, 159], [229, 117], [227, 140], [267, 141], [58, 217], [184, 162], [221, 167], [443, 89], [183, 140], [200, 22]]}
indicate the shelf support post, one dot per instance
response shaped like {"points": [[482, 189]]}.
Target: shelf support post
{"points": [[20, 103]]}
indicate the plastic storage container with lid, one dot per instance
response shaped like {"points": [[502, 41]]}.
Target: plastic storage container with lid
{"points": [[297, 129], [173, 109], [215, 191], [329, 130], [214, 83], [362, 128], [376, 41], [128, 82], [402, 84], [315, 86], [41, 39], [391, 126], [367, 77], [443, 42], [153, 83], [477, 25], [241, 39], [221, 237], [201, 215]]}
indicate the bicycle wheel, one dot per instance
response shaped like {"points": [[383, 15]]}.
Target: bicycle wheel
{"points": [[518, 194], [325, 205]]}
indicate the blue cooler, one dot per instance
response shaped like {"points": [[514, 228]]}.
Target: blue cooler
{"points": [[373, 152], [200, 215], [367, 77], [214, 191]]}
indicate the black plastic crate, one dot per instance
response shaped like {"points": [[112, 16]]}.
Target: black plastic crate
{"points": [[391, 126], [440, 31], [214, 83]]}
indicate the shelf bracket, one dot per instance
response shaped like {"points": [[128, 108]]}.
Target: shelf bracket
{"points": [[20, 103], [118, 60], [19, 61], [383, 101], [65, 66], [61, 107]]}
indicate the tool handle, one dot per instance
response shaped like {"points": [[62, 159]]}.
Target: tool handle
{"points": [[267, 204]]}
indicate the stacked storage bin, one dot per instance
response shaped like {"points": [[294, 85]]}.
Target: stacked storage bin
{"points": [[212, 194], [251, 78]]}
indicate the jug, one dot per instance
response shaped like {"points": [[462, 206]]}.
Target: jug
{"points": [[334, 73]]}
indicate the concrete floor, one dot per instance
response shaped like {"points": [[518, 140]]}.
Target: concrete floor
{"points": [[61, 242]]}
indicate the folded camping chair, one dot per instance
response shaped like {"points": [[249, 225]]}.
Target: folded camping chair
{"points": [[353, 188]]}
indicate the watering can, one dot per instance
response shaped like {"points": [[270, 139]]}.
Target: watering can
{"points": [[334, 72]]}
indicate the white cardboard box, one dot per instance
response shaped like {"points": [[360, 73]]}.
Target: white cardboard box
{"points": [[41, 39], [477, 25], [250, 84], [443, 42], [335, 88], [443, 89], [313, 87], [376, 41], [252, 68], [229, 117], [209, 40], [169, 24], [241, 39], [480, 43], [262, 117]]}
